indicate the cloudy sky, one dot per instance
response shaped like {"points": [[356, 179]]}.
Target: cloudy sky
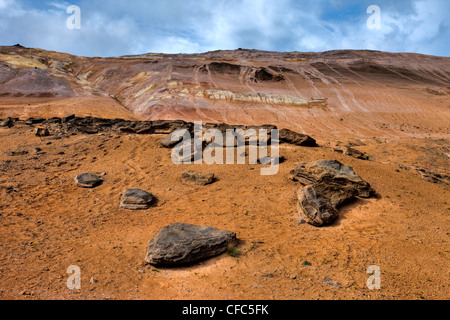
{"points": [[120, 27]]}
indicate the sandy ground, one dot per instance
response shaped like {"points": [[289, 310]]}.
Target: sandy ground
{"points": [[48, 224], [396, 104]]}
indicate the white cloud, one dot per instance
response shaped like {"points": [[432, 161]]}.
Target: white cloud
{"points": [[119, 27]]}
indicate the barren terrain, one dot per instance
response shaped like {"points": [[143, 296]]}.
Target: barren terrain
{"points": [[393, 107]]}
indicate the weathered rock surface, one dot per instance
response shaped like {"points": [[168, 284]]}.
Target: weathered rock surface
{"points": [[327, 185], [330, 172], [351, 152], [434, 177], [181, 243], [259, 97], [88, 180], [298, 139], [197, 178], [136, 199], [71, 124]]}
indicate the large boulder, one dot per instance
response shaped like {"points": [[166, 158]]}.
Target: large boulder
{"points": [[136, 199], [327, 184], [181, 243]]}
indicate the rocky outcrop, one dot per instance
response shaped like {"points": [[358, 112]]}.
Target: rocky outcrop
{"points": [[327, 184], [181, 243], [71, 124], [257, 97], [434, 177]]}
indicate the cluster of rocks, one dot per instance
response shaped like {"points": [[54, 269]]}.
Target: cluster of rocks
{"points": [[91, 125], [178, 243], [326, 184]]}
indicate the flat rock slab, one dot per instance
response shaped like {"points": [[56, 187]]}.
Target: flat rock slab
{"points": [[197, 178], [88, 180], [181, 244], [136, 199], [327, 184], [295, 138]]}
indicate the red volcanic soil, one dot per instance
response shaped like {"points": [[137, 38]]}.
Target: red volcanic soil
{"points": [[393, 107]]}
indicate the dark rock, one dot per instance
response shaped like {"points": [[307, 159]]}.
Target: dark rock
{"points": [[197, 178], [68, 118], [41, 132], [328, 184], [330, 172], [88, 180], [298, 139], [8, 122], [434, 177], [54, 120], [168, 126], [31, 121], [349, 151], [136, 199], [17, 153], [181, 243], [356, 142]]}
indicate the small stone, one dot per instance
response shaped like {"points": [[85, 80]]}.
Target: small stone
{"points": [[333, 284], [136, 199], [93, 280], [88, 180], [197, 178]]}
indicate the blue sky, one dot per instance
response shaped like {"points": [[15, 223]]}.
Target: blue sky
{"points": [[119, 27]]}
